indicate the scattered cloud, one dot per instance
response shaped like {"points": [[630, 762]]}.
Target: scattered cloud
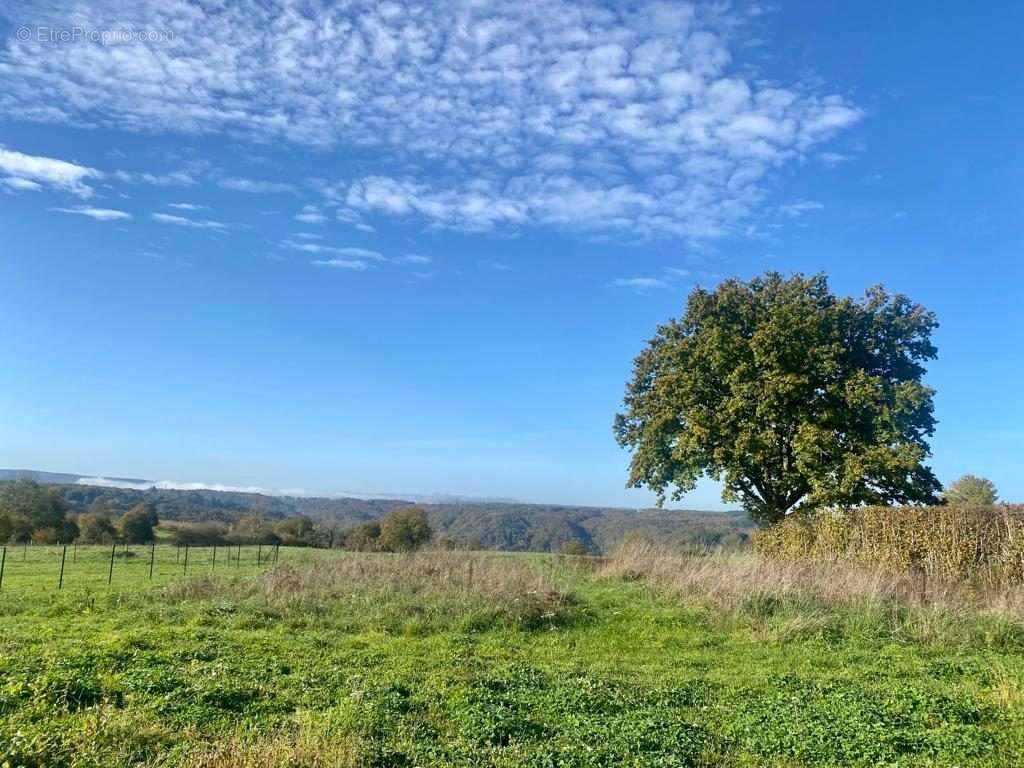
{"points": [[415, 258], [182, 221], [20, 185], [633, 118], [258, 186], [640, 283], [99, 214], [186, 206], [310, 214], [30, 172], [832, 159], [798, 208], [362, 254], [353, 264], [669, 277]]}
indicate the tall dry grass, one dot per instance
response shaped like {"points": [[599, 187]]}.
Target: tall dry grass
{"points": [[806, 595], [429, 586], [982, 545]]}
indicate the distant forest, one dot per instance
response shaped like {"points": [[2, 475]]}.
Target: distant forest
{"points": [[488, 525]]}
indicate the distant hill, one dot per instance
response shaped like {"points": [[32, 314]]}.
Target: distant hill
{"points": [[492, 525]]}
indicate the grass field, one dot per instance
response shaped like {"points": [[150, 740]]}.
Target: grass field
{"points": [[477, 659]]}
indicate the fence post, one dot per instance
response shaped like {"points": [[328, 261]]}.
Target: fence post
{"points": [[63, 556], [186, 561], [3, 562], [214, 568], [259, 553], [238, 557], [74, 552], [277, 552], [110, 573], [152, 557]]}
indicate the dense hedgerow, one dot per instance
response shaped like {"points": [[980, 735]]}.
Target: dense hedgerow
{"points": [[984, 545]]}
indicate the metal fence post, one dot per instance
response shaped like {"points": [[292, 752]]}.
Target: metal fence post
{"points": [[186, 561], [238, 557], [110, 573], [259, 553], [63, 557], [152, 557], [214, 567], [3, 562]]}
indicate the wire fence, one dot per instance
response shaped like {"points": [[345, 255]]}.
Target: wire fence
{"points": [[59, 567]]}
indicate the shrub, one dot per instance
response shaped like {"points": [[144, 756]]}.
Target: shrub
{"points": [[95, 528], [404, 530]]}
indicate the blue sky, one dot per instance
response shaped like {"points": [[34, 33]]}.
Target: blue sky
{"points": [[387, 247]]}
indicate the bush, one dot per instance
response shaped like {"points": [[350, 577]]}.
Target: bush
{"points": [[199, 534], [981, 544], [96, 529], [137, 524], [404, 530]]}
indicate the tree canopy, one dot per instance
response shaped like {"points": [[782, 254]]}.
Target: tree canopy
{"points": [[971, 490], [30, 511], [403, 530], [790, 396]]}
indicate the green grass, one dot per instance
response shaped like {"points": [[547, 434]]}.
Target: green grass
{"points": [[455, 659], [35, 569]]}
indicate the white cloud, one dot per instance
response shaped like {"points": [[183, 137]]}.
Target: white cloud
{"points": [[310, 214], [669, 277], [353, 264], [186, 206], [29, 172], [640, 283], [362, 254], [255, 185], [798, 208], [21, 185], [100, 214], [473, 115], [415, 258], [182, 221]]}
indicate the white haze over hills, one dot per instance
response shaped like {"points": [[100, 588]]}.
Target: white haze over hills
{"points": [[173, 485]]}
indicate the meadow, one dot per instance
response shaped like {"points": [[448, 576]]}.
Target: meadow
{"points": [[644, 658]]}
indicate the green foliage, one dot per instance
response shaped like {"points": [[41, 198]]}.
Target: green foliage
{"points": [[575, 547], [251, 518], [404, 530], [29, 507], [789, 395], [138, 523], [199, 534], [94, 528], [971, 491], [363, 537]]}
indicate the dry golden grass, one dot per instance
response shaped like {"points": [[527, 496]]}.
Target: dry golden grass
{"points": [[984, 545], [806, 594], [425, 585]]}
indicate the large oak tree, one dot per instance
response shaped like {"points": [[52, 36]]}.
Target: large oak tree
{"points": [[790, 396]]}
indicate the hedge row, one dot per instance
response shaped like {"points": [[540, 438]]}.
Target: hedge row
{"points": [[979, 544]]}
